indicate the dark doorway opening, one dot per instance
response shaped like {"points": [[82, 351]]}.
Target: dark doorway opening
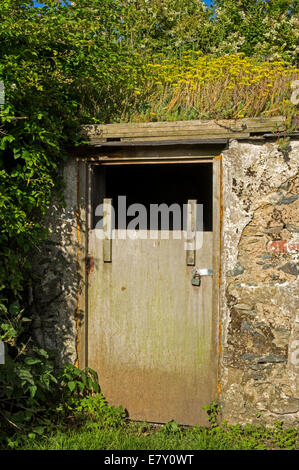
{"points": [[158, 184]]}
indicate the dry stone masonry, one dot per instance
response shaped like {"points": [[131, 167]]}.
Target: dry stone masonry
{"points": [[259, 294]]}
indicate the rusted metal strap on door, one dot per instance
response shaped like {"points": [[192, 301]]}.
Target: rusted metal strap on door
{"points": [[107, 228], [191, 232]]}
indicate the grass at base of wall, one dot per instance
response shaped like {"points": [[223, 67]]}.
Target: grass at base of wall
{"points": [[90, 423], [171, 436]]}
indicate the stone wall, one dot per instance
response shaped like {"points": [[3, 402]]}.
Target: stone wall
{"points": [[259, 295], [54, 294]]}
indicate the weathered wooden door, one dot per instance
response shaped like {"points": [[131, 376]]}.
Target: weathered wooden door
{"points": [[151, 331]]}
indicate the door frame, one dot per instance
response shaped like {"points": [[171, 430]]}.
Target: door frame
{"points": [[85, 165]]}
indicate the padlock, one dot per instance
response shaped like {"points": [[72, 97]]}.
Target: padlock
{"points": [[195, 279]]}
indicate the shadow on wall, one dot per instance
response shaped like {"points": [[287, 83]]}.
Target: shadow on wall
{"points": [[58, 280]]}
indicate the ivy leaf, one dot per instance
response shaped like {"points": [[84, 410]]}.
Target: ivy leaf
{"points": [[31, 361], [72, 385], [32, 389]]}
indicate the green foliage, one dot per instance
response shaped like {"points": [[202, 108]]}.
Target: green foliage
{"points": [[96, 410], [87, 422], [34, 395], [25, 389], [198, 86], [27, 377], [93, 435], [257, 437], [167, 26], [261, 28], [77, 383], [172, 427], [212, 411]]}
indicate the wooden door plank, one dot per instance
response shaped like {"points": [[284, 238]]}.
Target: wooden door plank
{"points": [[107, 228], [191, 232]]}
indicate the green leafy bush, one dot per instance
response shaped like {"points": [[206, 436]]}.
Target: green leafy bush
{"points": [[33, 394], [96, 410]]}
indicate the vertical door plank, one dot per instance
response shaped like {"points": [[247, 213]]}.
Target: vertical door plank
{"points": [[191, 232], [107, 227]]}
